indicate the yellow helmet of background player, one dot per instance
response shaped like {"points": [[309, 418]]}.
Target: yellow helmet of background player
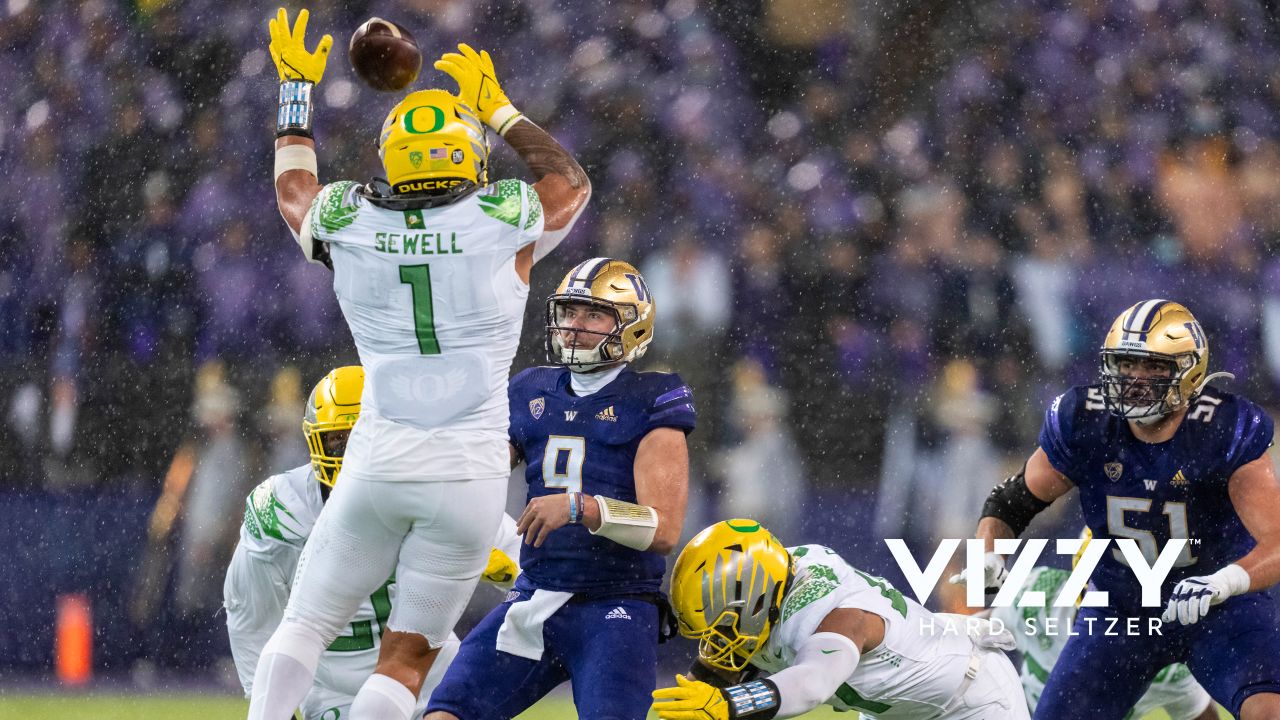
{"points": [[1163, 331], [1086, 535], [726, 591], [433, 144], [615, 286], [332, 406]]}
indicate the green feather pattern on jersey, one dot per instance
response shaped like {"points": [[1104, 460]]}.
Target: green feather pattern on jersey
{"points": [[503, 202], [262, 514], [1049, 582], [822, 581], [334, 210]]}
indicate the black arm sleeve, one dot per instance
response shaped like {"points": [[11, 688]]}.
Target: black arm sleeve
{"points": [[1012, 502]]}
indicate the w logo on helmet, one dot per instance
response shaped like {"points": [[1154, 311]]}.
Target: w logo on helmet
{"points": [[637, 282], [1197, 334]]}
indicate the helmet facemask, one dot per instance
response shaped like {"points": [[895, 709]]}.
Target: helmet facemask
{"points": [[1143, 398], [724, 646], [327, 443], [576, 355], [332, 409]]}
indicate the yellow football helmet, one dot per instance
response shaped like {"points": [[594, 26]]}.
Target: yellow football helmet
{"points": [[727, 589], [1163, 331], [433, 144], [332, 406], [615, 286]]}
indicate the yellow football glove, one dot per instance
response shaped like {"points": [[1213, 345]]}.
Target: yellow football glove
{"points": [[289, 50], [478, 86], [690, 700], [501, 570]]}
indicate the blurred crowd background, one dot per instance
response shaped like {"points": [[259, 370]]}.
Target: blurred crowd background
{"points": [[881, 237]]}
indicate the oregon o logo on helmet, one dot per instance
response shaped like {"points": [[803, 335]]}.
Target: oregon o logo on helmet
{"points": [[1150, 572], [437, 120]]}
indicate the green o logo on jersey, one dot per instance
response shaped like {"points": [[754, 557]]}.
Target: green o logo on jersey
{"points": [[437, 120]]}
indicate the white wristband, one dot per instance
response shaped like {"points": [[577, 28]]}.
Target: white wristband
{"points": [[1232, 577], [503, 118], [296, 157], [627, 524]]}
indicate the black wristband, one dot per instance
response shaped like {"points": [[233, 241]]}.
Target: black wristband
{"points": [[756, 700]]}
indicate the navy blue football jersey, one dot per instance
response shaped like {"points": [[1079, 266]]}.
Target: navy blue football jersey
{"points": [[1151, 492], [588, 444]]}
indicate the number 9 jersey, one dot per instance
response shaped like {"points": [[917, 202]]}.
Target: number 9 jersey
{"points": [[588, 444], [432, 298], [1152, 492]]}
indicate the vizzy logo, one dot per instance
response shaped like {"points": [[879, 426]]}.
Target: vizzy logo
{"points": [[1150, 575]]}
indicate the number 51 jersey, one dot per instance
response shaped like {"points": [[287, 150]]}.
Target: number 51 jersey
{"points": [[432, 299], [1151, 492], [588, 444]]}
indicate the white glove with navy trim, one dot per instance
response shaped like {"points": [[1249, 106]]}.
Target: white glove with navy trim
{"points": [[1192, 597]]}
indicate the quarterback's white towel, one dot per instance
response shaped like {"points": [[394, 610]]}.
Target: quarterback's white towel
{"points": [[521, 631]]}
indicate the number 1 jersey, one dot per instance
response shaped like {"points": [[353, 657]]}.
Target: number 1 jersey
{"points": [[432, 299]]}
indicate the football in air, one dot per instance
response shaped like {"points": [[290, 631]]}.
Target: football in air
{"points": [[385, 55]]}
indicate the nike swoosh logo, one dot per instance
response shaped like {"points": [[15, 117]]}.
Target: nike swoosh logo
{"points": [[828, 652]]}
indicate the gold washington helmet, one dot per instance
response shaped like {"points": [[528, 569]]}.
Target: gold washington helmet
{"points": [[333, 406], [1154, 330], [432, 144], [726, 591], [616, 287]]}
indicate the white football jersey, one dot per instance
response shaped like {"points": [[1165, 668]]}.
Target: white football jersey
{"points": [[278, 518], [1174, 689], [914, 673], [432, 299]]}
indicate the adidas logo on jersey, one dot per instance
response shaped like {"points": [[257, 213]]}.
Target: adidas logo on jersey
{"points": [[607, 414], [1179, 480], [618, 613]]}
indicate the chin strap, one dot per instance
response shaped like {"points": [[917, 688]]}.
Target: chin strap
{"points": [[1209, 377], [1152, 420]]}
